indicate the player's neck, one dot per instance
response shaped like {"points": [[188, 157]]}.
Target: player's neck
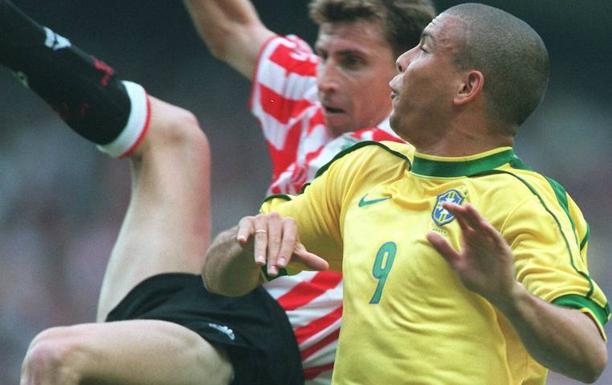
{"points": [[465, 141]]}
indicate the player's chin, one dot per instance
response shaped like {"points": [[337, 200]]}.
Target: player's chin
{"points": [[395, 121], [338, 123]]}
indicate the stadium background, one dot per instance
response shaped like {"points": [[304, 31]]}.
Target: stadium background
{"points": [[61, 202]]}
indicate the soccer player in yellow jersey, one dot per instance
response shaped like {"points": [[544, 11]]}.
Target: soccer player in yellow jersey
{"points": [[461, 265]]}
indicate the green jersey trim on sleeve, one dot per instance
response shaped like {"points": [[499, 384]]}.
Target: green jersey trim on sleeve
{"points": [[574, 301], [561, 195], [586, 238], [277, 196], [268, 278]]}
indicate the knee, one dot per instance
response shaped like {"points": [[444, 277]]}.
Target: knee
{"points": [[53, 358], [174, 128]]}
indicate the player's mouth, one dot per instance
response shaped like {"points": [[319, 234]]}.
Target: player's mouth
{"points": [[394, 94], [329, 110]]}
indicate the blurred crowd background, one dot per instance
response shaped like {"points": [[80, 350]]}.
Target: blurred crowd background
{"points": [[62, 202]]}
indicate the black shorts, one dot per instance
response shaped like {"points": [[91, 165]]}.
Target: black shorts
{"points": [[253, 329]]}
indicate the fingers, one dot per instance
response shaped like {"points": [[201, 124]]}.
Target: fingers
{"points": [[279, 236], [483, 226], [289, 243], [443, 247], [465, 221], [260, 248], [254, 226], [276, 236], [458, 213], [467, 215], [480, 239], [245, 229], [311, 260], [275, 240], [472, 222]]}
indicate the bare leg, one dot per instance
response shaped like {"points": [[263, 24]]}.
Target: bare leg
{"points": [[167, 225], [166, 228], [139, 352]]}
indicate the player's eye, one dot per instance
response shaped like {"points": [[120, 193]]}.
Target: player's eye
{"points": [[321, 54], [352, 62]]}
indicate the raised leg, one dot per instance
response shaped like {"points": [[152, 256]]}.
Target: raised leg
{"points": [[140, 352], [167, 224]]}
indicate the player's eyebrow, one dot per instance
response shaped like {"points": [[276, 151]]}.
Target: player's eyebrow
{"points": [[344, 51], [351, 52], [428, 38]]}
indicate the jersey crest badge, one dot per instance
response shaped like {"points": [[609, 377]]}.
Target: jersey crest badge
{"points": [[439, 214]]}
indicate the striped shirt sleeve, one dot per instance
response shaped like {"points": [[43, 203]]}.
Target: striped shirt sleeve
{"points": [[284, 92]]}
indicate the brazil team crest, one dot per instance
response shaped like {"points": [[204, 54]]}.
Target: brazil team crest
{"points": [[439, 214]]}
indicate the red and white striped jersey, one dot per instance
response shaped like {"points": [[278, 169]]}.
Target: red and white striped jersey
{"points": [[285, 102], [313, 303]]}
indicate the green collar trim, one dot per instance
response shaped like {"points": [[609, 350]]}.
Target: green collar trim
{"points": [[448, 167]]}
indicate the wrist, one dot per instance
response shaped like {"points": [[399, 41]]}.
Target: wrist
{"points": [[513, 303]]}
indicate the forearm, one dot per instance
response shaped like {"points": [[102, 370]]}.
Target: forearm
{"points": [[231, 29], [215, 19], [564, 340], [229, 267]]}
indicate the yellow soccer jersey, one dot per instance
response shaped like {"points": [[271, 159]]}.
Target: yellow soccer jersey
{"points": [[407, 318]]}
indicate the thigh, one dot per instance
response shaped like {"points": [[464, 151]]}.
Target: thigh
{"points": [[138, 352], [253, 329]]}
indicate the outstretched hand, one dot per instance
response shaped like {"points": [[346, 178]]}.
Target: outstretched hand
{"points": [[485, 263], [275, 242]]}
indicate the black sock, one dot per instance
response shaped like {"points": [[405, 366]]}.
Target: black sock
{"points": [[82, 89]]}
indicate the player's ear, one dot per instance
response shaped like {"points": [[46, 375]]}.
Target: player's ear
{"points": [[471, 86]]}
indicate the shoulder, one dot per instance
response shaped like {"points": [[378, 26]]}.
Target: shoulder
{"points": [[535, 194], [536, 184], [371, 155]]}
